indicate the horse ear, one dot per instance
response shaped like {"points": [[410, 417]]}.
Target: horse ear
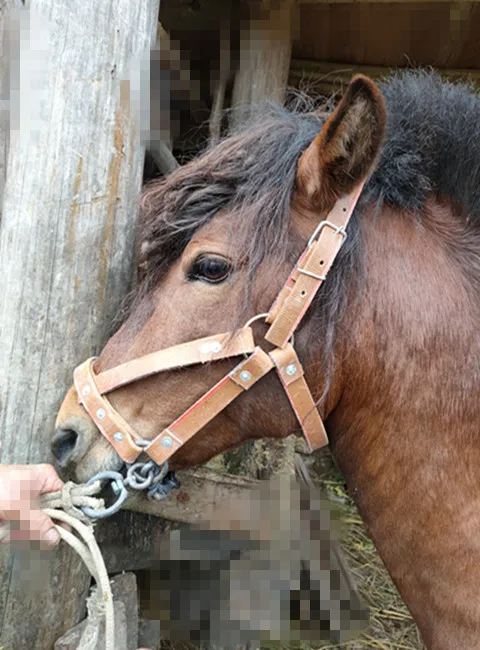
{"points": [[346, 149]]}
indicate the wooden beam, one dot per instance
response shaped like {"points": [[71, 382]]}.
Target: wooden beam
{"points": [[66, 252], [327, 78], [224, 65], [335, 2], [201, 490], [130, 539]]}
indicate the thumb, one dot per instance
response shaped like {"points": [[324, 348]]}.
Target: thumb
{"points": [[45, 479], [35, 525]]}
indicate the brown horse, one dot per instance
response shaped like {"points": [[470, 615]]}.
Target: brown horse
{"points": [[390, 346]]}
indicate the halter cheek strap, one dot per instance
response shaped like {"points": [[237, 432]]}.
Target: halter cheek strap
{"points": [[284, 317], [311, 271]]}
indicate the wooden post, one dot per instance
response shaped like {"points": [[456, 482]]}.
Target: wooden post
{"points": [[4, 94], [160, 140], [66, 250], [265, 51]]}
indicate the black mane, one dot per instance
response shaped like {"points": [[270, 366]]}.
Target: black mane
{"points": [[432, 145]]}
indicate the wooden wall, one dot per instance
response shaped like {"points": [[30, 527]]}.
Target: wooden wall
{"points": [[441, 34]]}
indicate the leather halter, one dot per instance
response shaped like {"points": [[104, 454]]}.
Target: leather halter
{"points": [[284, 317]]}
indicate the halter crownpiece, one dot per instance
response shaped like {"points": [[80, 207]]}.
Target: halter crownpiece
{"points": [[284, 317]]}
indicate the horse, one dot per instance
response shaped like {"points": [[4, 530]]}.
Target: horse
{"points": [[390, 345]]}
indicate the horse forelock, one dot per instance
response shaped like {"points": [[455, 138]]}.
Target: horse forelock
{"points": [[432, 147]]}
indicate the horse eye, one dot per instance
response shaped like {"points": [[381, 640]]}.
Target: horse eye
{"points": [[210, 269]]}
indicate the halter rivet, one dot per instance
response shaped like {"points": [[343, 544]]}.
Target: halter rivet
{"points": [[167, 441], [245, 375], [86, 390], [210, 347], [101, 414], [118, 436], [291, 369]]}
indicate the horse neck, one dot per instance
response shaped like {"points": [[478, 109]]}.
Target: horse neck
{"points": [[406, 428]]}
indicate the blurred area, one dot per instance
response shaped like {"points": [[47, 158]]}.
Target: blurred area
{"points": [[261, 568], [203, 564]]}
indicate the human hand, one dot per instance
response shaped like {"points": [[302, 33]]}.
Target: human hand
{"points": [[20, 490]]}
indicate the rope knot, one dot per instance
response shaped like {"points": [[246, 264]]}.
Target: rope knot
{"points": [[72, 497]]}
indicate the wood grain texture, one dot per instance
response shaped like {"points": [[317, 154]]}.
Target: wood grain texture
{"points": [[442, 34], [265, 49], [66, 248], [4, 94]]}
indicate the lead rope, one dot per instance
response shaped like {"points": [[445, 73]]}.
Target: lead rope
{"points": [[65, 506], [77, 506]]}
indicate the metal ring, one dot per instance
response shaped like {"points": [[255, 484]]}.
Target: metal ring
{"points": [[254, 318], [136, 478], [162, 472], [249, 322], [149, 465], [159, 491], [116, 479]]}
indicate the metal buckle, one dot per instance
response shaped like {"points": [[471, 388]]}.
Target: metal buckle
{"points": [[338, 230]]}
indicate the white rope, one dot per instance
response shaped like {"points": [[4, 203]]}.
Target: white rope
{"points": [[71, 498], [93, 559]]}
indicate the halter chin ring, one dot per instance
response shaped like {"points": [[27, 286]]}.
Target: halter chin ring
{"points": [[254, 318], [283, 319]]}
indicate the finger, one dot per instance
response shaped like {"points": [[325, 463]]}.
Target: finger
{"points": [[36, 526], [45, 478]]}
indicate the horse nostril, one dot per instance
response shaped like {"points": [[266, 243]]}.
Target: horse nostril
{"points": [[63, 444]]}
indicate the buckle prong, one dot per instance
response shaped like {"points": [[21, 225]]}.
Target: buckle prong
{"points": [[322, 278]]}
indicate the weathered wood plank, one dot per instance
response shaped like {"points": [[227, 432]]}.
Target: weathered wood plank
{"points": [[130, 539], [265, 49], [4, 94], [385, 34], [200, 491], [66, 248]]}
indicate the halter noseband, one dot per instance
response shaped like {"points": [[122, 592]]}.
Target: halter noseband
{"points": [[284, 317]]}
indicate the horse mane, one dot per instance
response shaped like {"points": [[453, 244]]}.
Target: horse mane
{"points": [[432, 146]]}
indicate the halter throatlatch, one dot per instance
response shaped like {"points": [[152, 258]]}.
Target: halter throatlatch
{"points": [[284, 317]]}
